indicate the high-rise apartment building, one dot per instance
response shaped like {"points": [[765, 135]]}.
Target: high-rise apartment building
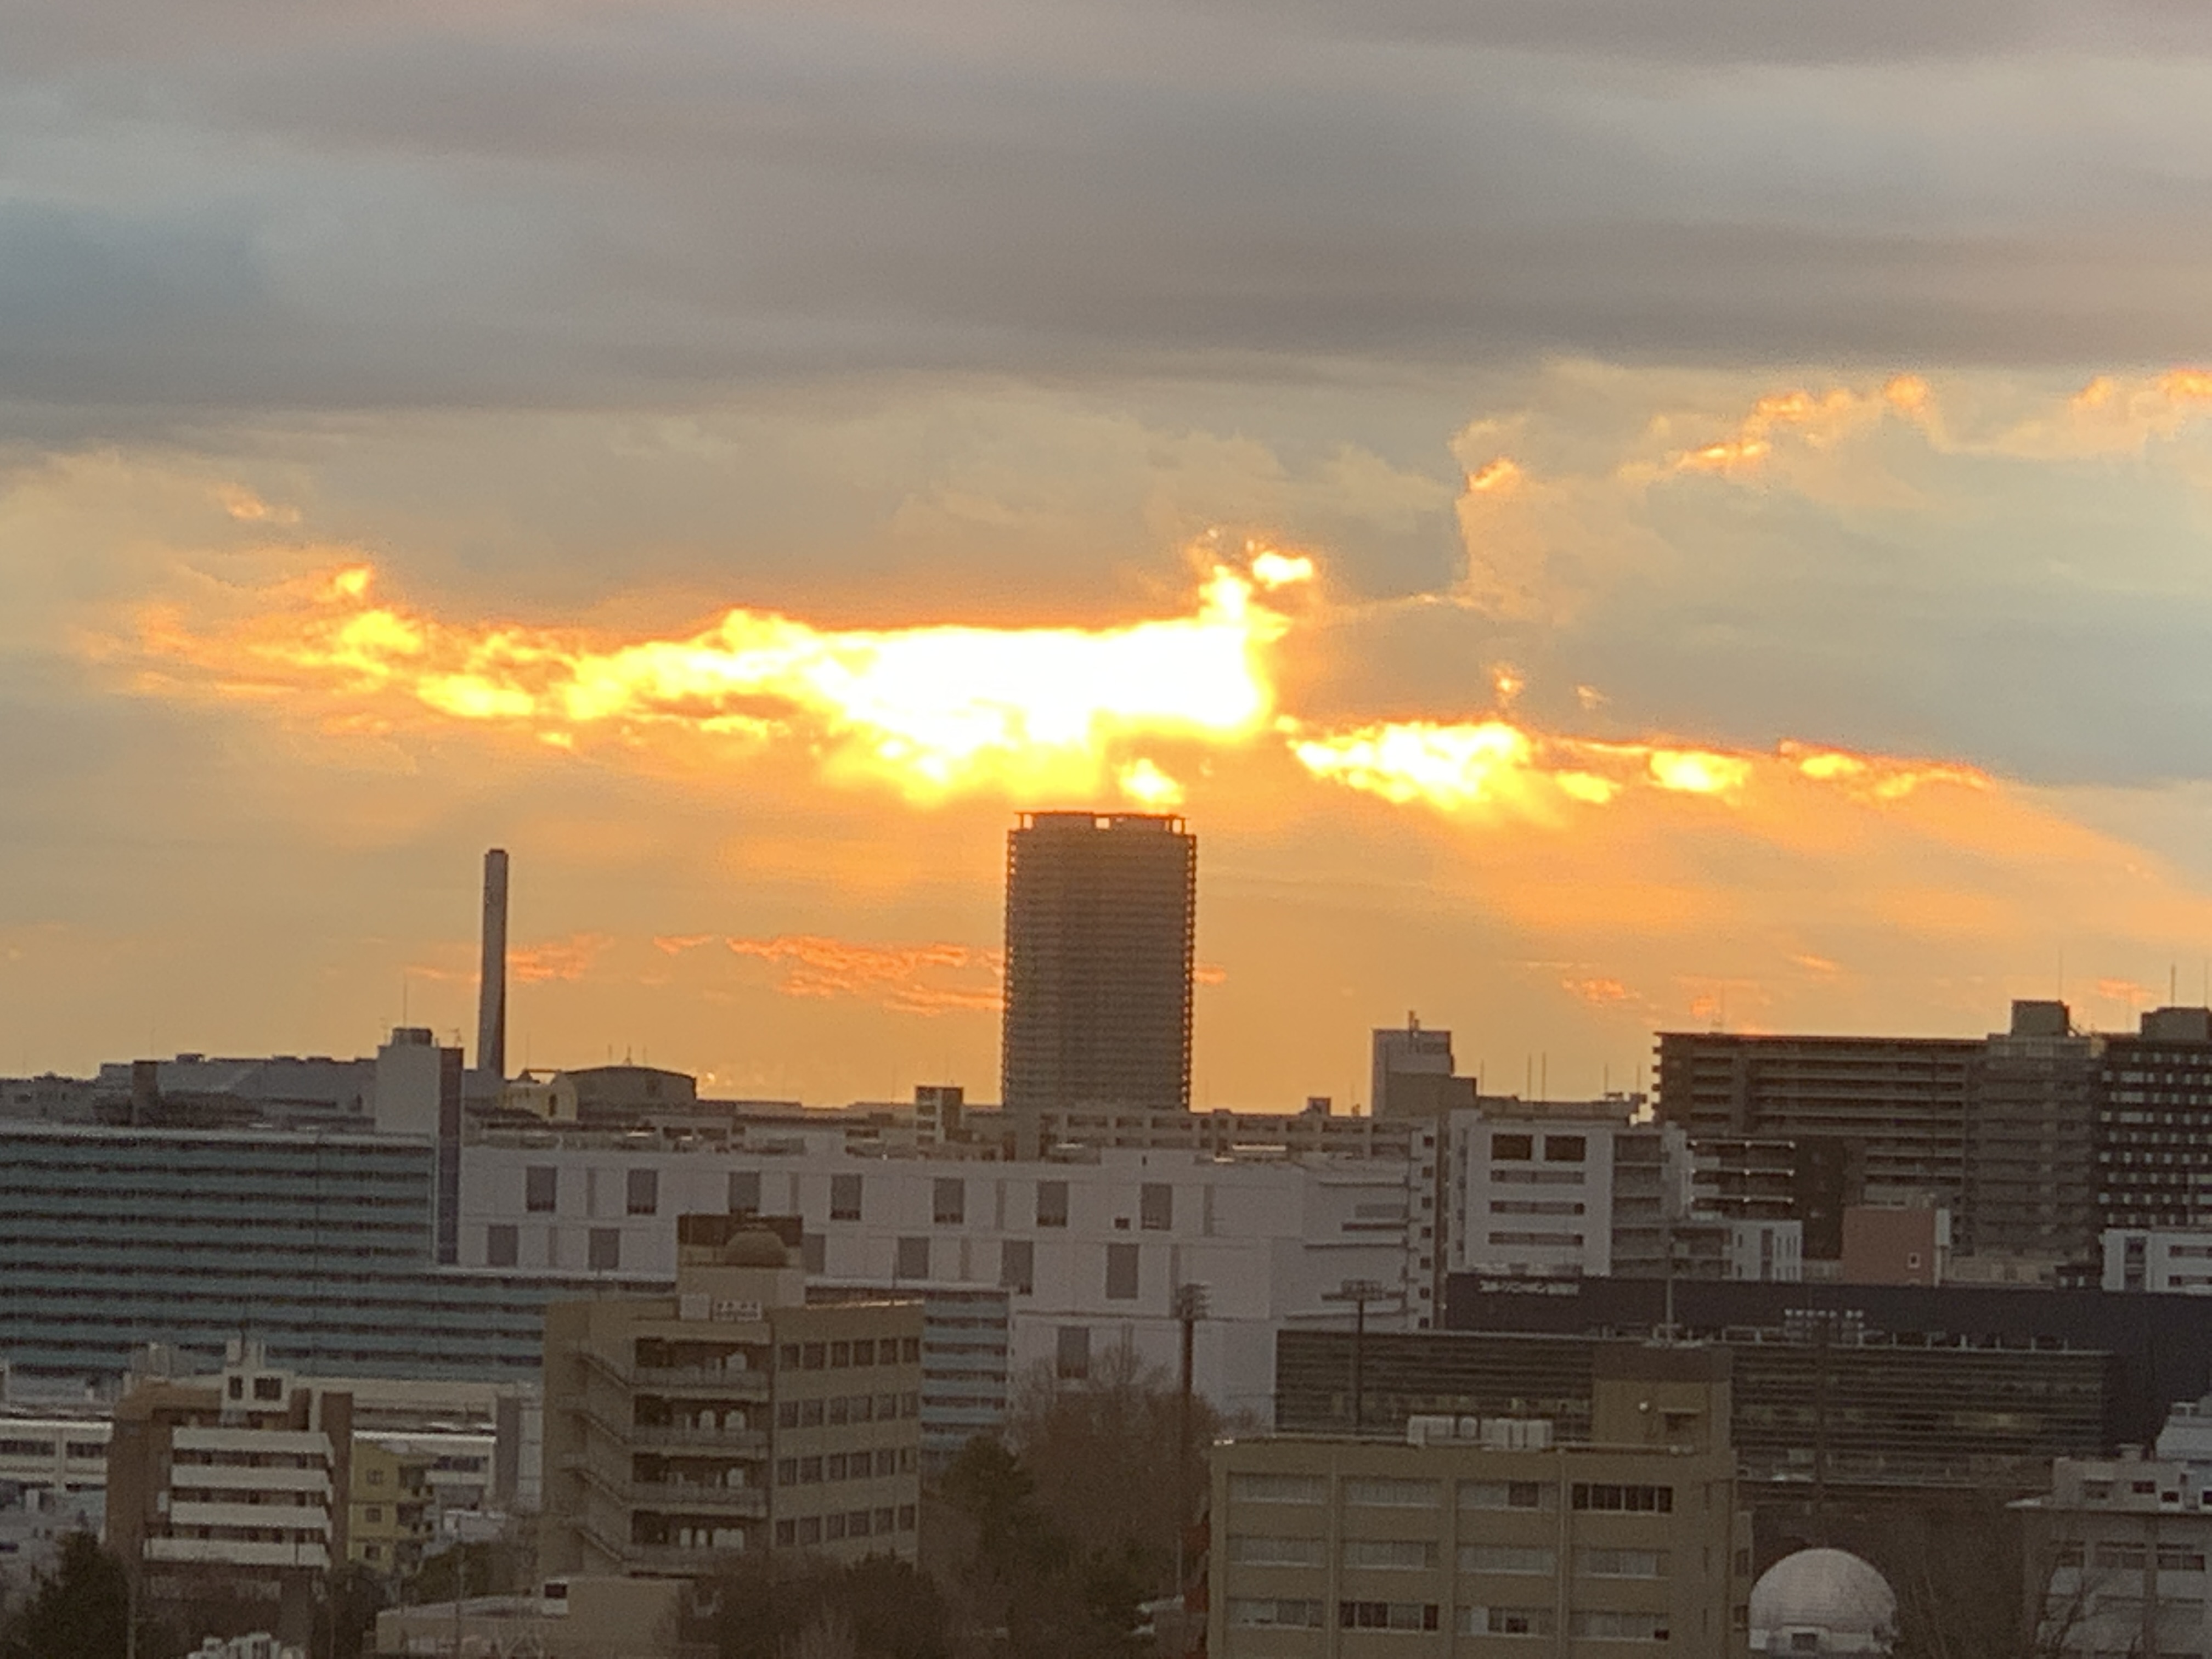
{"points": [[1100, 912], [731, 1417]]}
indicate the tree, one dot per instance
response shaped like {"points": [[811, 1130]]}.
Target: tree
{"points": [[1025, 1586], [785, 1606], [80, 1610]]}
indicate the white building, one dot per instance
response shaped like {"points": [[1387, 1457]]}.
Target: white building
{"points": [[2170, 1259], [1531, 1195], [2115, 1559], [1091, 1249]]}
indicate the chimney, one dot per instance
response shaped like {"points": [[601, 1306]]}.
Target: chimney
{"points": [[491, 981]]}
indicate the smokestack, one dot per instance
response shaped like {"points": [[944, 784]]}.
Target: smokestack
{"points": [[491, 976]]}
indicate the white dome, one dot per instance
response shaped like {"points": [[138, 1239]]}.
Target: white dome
{"points": [[1828, 1593]]}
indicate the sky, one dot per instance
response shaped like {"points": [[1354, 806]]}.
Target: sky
{"points": [[1605, 517]]}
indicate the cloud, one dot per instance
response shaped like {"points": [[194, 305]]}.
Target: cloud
{"points": [[582, 208], [907, 979]]}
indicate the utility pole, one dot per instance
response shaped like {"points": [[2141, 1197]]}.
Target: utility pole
{"points": [[1189, 1308], [1359, 1292]]}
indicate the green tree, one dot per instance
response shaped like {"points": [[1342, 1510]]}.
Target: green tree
{"points": [[80, 1610]]}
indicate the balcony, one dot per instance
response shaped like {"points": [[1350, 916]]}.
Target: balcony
{"points": [[665, 1558], [749, 1503], [747, 1384]]}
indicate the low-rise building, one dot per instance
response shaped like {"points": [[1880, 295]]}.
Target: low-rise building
{"points": [[2116, 1556], [730, 1417], [575, 1618], [392, 1520], [237, 1482], [1475, 1537]]}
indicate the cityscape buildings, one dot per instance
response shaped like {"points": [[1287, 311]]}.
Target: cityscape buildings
{"points": [[1101, 926]]}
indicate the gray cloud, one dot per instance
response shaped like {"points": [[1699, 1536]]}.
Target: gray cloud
{"points": [[579, 206]]}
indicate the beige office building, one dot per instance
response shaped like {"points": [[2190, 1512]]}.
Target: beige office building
{"points": [[1476, 1538], [729, 1417]]}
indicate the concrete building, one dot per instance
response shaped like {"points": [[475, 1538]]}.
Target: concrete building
{"points": [[1895, 1246], [575, 1618], [731, 1417], [2116, 1559], [1101, 919], [1087, 1251], [1530, 1194], [320, 1246], [237, 1482], [393, 1518], [1413, 1075], [1475, 1536]]}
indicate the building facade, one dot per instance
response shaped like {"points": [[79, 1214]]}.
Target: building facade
{"points": [[2116, 1559], [237, 1484], [731, 1417], [1088, 1252], [1101, 921], [1476, 1537]]}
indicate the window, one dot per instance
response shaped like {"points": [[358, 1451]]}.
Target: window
{"points": [[1517, 1149], [268, 1387], [844, 1198], [1621, 1563], [1259, 1550], [1273, 1613], [1155, 1206], [373, 1514], [810, 1529], [787, 1533], [2180, 1560], [1072, 1357], [949, 1202], [1391, 1491], [2124, 1557], [1634, 1500], [605, 1249], [1505, 1621], [813, 1356], [1386, 1615], [500, 1246], [810, 1471], [1121, 1272], [912, 1258], [1619, 1626], [1565, 1149], [746, 1192], [541, 1190], [1052, 1204], [814, 1252], [910, 1350], [1017, 1265], [840, 1355], [1507, 1558], [864, 1351], [644, 1193], [1278, 1488], [1390, 1554]]}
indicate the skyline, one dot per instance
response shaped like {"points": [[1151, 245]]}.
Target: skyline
{"points": [[1810, 409]]}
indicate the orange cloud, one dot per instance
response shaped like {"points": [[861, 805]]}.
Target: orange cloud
{"points": [[903, 978], [570, 958], [676, 944], [930, 710], [1599, 993]]}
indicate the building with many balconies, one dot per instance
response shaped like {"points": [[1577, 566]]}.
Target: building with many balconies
{"points": [[731, 1417]]}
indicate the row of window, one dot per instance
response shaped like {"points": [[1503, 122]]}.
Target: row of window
{"points": [[1395, 1491], [1419, 1555], [46, 1449], [837, 1356], [844, 1466], [541, 1196], [1297, 1612], [2132, 1557], [846, 1408], [852, 1523]]}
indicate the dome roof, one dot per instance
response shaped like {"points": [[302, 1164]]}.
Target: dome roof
{"points": [[1831, 1591], [756, 1247]]}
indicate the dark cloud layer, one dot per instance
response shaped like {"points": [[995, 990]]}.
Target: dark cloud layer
{"points": [[251, 206]]}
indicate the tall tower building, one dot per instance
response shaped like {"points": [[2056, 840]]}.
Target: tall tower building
{"points": [[1101, 911]]}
